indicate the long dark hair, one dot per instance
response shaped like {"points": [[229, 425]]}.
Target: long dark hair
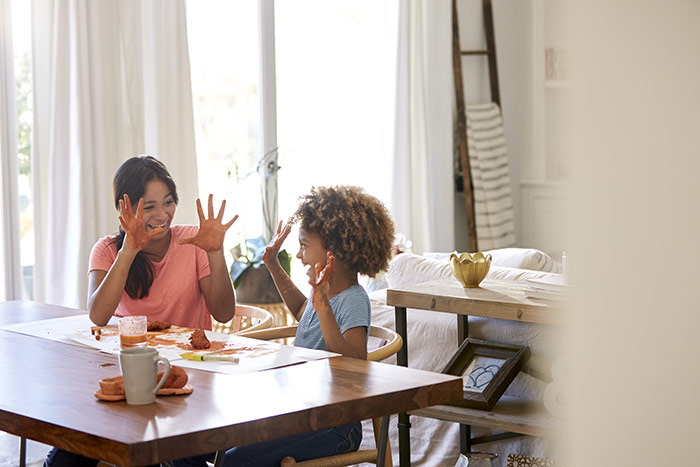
{"points": [[131, 179]]}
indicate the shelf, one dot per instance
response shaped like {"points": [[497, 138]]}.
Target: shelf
{"points": [[509, 414]]}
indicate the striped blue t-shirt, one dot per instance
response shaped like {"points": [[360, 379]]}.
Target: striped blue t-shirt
{"points": [[351, 309]]}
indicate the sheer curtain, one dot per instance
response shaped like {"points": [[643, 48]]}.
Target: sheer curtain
{"points": [[422, 199], [10, 274], [111, 81]]}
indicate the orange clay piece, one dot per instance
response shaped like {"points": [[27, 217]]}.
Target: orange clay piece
{"points": [[136, 235], [157, 326], [113, 386], [199, 340], [176, 379], [97, 332], [210, 236]]}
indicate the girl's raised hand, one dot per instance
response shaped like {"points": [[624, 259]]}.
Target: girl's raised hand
{"points": [[319, 281], [212, 231], [273, 248], [136, 235]]}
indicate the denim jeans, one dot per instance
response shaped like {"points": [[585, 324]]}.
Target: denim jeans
{"points": [[304, 446], [60, 458]]}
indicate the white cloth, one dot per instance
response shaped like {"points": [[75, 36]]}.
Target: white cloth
{"points": [[111, 81], [10, 273], [422, 197], [488, 160]]}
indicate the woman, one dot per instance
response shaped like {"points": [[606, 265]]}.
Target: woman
{"points": [[171, 273]]}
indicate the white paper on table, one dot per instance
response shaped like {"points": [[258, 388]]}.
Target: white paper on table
{"points": [[282, 355], [61, 330], [253, 354]]}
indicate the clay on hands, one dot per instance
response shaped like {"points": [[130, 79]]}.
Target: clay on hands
{"points": [[273, 248], [210, 236], [319, 282], [136, 236], [323, 274]]}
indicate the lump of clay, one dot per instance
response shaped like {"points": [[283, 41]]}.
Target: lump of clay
{"points": [[157, 325], [199, 340], [176, 379]]}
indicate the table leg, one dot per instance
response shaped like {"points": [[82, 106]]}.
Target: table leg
{"points": [[22, 451], [465, 441], [402, 360], [465, 438], [383, 436], [219, 459]]}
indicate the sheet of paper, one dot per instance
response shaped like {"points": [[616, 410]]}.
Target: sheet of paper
{"points": [[253, 354]]}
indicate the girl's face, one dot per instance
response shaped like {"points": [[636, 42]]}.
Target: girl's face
{"points": [[311, 250], [158, 207]]}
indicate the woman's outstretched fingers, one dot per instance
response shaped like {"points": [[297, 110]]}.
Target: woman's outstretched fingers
{"points": [[230, 223], [200, 212], [210, 209], [220, 216], [210, 236]]}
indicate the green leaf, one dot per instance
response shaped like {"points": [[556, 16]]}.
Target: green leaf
{"points": [[285, 260]]}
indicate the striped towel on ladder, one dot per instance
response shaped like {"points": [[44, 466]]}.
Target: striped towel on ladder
{"points": [[493, 202]]}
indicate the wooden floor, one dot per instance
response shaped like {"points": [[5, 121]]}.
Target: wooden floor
{"points": [[9, 451]]}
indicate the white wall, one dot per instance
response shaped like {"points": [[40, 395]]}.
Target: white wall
{"points": [[513, 30]]}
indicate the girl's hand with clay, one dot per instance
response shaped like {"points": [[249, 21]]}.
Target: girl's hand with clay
{"points": [[273, 248], [319, 281]]}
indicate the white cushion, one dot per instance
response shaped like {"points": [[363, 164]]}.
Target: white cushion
{"points": [[521, 258], [406, 269]]}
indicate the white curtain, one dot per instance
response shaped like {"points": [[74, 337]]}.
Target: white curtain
{"points": [[422, 198], [10, 273], [111, 81]]}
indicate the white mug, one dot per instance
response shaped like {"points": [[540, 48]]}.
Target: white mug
{"points": [[140, 371]]}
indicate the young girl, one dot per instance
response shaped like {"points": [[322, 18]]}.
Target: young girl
{"points": [[171, 273], [343, 232]]}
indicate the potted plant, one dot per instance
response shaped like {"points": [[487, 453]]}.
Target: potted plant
{"points": [[251, 279]]}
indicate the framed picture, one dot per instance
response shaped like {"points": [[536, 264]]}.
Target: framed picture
{"points": [[487, 369]]}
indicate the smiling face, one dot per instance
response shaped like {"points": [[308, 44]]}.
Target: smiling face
{"points": [[158, 207], [311, 250]]}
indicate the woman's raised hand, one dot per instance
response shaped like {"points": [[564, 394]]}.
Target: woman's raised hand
{"points": [[273, 248], [136, 235], [212, 231]]}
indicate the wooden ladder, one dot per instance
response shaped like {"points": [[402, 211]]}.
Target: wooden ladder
{"points": [[462, 147]]}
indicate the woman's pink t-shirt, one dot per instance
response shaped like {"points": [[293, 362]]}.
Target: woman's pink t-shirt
{"points": [[174, 296]]}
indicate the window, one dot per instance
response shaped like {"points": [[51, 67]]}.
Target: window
{"points": [[224, 64], [335, 75], [335, 98]]}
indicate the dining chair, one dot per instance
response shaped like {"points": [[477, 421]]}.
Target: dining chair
{"points": [[389, 344], [247, 318]]}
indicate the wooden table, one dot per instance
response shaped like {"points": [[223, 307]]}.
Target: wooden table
{"points": [[48, 397], [497, 299]]}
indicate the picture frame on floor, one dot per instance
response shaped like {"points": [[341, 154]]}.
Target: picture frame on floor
{"points": [[487, 369]]}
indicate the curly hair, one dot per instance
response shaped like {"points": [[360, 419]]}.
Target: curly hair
{"points": [[355, 226]]}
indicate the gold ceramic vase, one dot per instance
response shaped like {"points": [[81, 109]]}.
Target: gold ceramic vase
{"points": [[470, 269]]}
